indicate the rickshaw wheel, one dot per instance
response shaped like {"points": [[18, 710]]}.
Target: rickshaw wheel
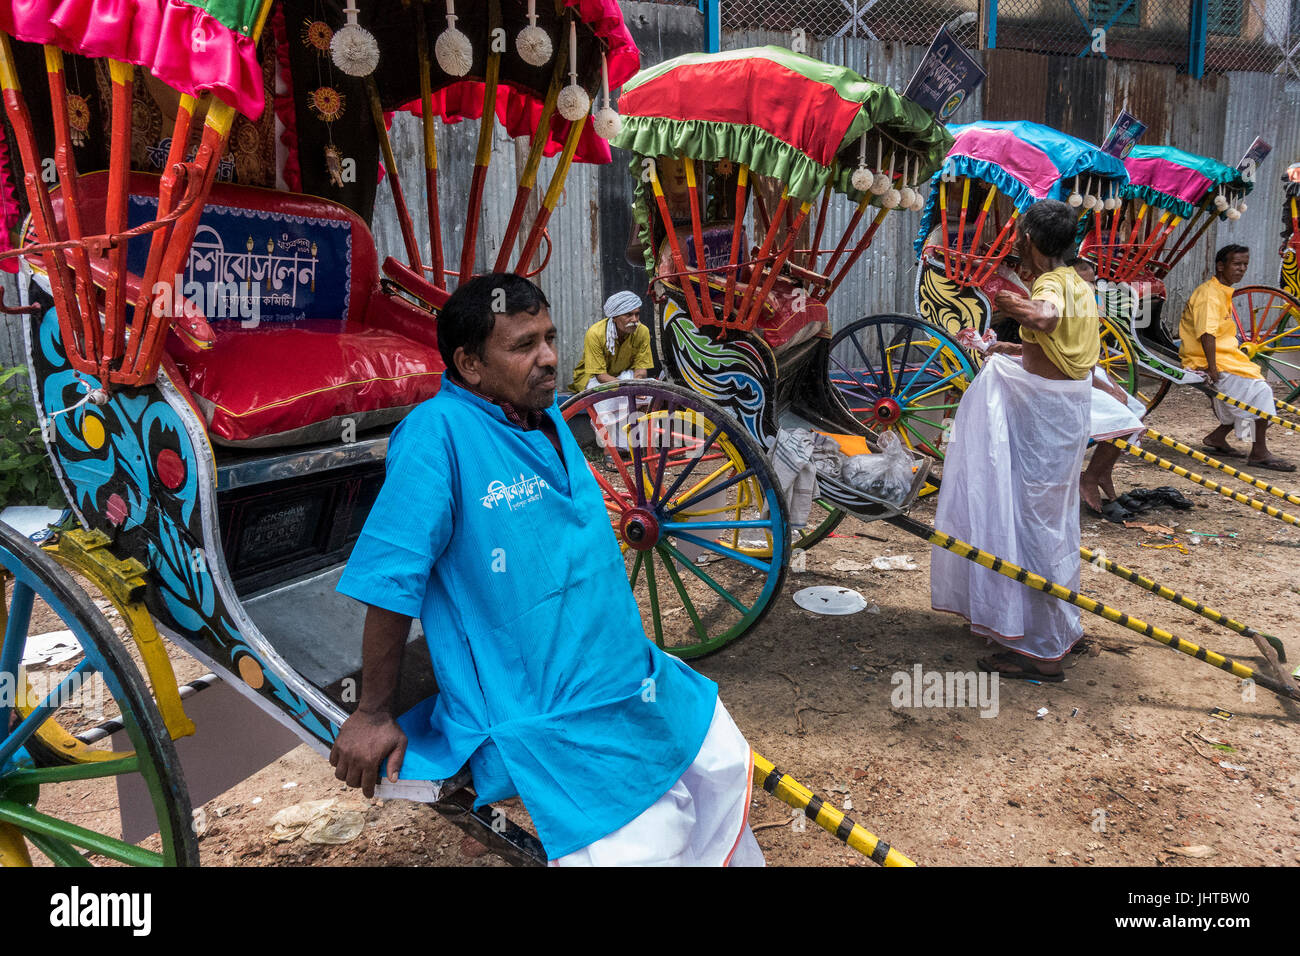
{"points": [[103, 684], [822, 520], [52, 745], [1268, 324], [1117, 358], [899, 373], [669, 459]]}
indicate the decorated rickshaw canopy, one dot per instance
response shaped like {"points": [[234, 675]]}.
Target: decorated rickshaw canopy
{"points": [[196, 46], [783, 114], [1025, 161], [1177, 180]]}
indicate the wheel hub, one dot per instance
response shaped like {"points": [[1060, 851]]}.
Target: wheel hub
{"points": [[886, 411], [640, 529]]}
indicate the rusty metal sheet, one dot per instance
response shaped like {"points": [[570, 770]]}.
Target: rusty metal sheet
{"points": [[1016, 88], [1076, 96]]}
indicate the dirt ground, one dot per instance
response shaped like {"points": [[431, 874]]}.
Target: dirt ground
{"points": [[1125, 765]]}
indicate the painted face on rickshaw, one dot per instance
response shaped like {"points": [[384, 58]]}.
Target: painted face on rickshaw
{"points": [[518, 362], [1233, 269]]}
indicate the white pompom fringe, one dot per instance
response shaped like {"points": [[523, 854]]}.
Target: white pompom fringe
{"points": [[862, 179], [880, 184], [454, 52], [534, 45], [355, 50], [607, 122], [891, 199], [573, 103], [1075, 200]]}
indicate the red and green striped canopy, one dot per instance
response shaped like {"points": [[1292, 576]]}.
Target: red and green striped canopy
{"points": [[783, 114]]}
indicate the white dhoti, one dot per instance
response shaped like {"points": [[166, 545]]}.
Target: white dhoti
{"points": [[1254, 392], [1011, 487], [612, 413], [1110, 419], [703, 819]]}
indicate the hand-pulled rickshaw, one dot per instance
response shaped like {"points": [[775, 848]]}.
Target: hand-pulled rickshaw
{"points": [[747, 164], [217, 364], [993, 172]]}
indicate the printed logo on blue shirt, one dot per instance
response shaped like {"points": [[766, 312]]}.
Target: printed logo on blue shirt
{"points": [[516, 495]]}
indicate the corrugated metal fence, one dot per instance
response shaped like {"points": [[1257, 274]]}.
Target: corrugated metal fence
{"points": [[1217, 116]]}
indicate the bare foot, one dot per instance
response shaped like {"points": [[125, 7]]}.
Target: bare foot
{"points": [[1090, 492]]}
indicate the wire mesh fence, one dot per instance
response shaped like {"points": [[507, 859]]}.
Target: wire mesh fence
{"points": [[1251, 35]]}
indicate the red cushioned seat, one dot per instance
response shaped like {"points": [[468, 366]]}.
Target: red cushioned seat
{"points": [[326, 344], [295, 385]]}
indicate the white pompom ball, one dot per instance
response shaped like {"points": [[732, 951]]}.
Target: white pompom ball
{"points": [[573, 102], [907, 197], [1241, 206], [1233, 214], [534, 45], [880, 184], [454, 52], [891, 199], [1220, 203], [918, 204], [355, 50], [863, 179], [1075, 200], [1110, 203], [1089, 201], [608, 122]]}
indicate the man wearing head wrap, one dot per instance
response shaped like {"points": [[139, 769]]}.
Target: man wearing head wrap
{"points": [[615, 348]]}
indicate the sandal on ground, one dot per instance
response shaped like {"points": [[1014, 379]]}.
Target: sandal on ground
{"points": [[1271, 464], [1009, 665], [1172, 497]]}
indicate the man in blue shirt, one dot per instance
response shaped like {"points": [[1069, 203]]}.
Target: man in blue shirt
{"points": [[491, 529]]}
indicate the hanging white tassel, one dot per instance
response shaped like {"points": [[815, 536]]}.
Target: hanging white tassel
{"points": [[1220, 202], [880, 182], [354, 48], [453, 51], [573, 102], [533, 43], [906, 195], [862, 176], [607, 121], [1090, 201], [891, 197], [1075, 199], [1241, 206], [918, 203], [1233, 214]]}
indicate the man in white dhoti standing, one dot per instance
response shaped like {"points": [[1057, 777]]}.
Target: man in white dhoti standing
{"points": [[1209, 343], [1011, 472]]}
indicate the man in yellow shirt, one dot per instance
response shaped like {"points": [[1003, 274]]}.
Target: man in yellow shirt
{"points": [[615, 348], [1209, 343], [1011, 470]]}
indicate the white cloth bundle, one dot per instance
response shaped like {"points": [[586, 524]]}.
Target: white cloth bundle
{"points": [[1110, 419]]}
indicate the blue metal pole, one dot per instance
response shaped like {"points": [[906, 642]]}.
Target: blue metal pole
{"points": [[991, 26], [1197, 31], [712, 24]]}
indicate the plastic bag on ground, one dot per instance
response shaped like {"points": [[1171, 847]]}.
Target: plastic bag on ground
{"points": [[887, 475]]}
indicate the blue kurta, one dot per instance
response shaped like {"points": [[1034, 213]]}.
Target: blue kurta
{"points": [[549, 687]]}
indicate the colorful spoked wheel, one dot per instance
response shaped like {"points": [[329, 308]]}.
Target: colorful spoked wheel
{"points": [[66, 704], [695, 507], [1117, 357], [898, 373], [1268, 325]]}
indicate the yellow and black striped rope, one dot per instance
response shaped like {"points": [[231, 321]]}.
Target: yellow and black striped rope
{"points": [[1225, 468], [1169, 594], [1271, 419], [1286, 407], [1214, 486], [788, 790], [1122, 618]]}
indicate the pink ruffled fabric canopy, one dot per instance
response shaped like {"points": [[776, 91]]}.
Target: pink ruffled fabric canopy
{"points": [[180, 43]]}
